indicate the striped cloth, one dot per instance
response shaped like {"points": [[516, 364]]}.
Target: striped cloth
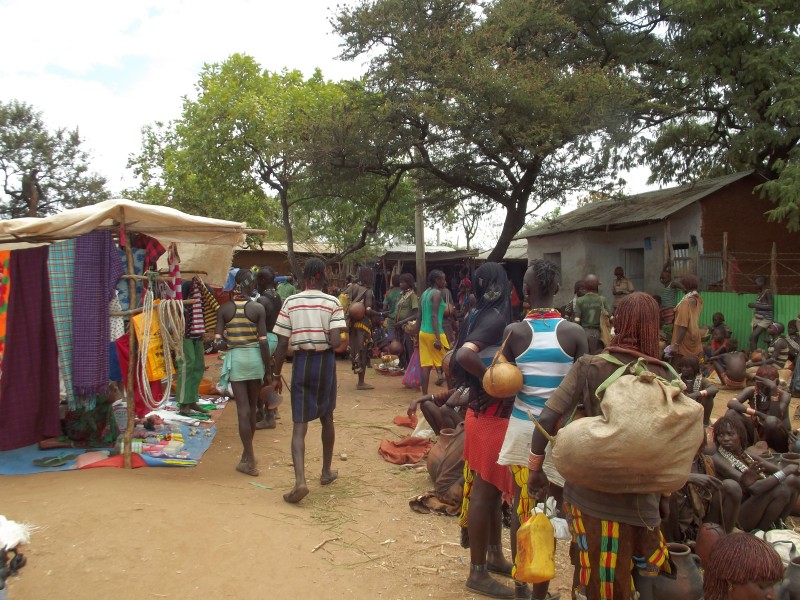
{"points": [[307, 319], [60, 267], [313, 389], [195, 325], [543, 364], [605, 552]]}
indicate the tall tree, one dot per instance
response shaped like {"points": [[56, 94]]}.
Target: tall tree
{"points": [[508, 100], [42, 171], [725, 82], [261, 135]]}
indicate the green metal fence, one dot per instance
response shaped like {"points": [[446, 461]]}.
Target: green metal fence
{"points": [[738, 316]]}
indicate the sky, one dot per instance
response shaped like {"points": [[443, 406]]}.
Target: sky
{"points": [[110, 68]]}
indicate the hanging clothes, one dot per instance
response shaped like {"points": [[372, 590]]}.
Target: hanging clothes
{"points": [[156, 389], [123, 286], [29, 391], [61, 268], [152, 249], [5, 288], [97, 269]]}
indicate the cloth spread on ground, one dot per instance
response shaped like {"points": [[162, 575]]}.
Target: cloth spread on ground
{"points": [[97, 269], [406, 421], [409, 450], [196, 441], [29, 392], [60, 267], [5, 287]]}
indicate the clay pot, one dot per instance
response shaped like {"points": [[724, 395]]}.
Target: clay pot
{"points": [[270, 397], [789, 588], [446, 362], [687, 585], [395, 347], [789, 458], [708, 535], [436, 455], [357, 311]]}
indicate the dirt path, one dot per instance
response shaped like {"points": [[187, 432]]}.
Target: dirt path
{"points": [[206, 532]]}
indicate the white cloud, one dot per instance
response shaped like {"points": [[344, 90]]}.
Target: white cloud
{"points": [[110, 68]]}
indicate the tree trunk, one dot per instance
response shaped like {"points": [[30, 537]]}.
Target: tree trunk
{"points": [[287, 226], [514, 221]]}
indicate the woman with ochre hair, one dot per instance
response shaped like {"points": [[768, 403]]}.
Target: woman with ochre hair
{"points": [[742, 567]]}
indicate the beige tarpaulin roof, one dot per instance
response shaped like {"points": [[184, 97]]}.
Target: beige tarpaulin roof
{"points": [[161, 222]]}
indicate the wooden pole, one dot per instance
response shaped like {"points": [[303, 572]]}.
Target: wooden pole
{"points": [[725, 272], [773, 269], [129, 393], [419, 238], [667, 248]]}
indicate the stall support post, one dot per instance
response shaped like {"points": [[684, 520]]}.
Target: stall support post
{"points": [[129, 393]]}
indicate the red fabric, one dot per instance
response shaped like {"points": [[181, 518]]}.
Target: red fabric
{"points": [[117, 461], [123, 345], [406, 421], [484, 435], [405, 451]]}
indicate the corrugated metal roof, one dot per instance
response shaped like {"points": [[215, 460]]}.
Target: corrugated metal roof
{"points": [[641, 208], [517, 250]]}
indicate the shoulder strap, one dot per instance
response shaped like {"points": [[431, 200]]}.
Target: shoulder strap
{"points": [[635, 367]]}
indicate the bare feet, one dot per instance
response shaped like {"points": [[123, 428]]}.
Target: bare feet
{"points": [[329, 477], [247, 469], [365, 386], [297, 493]]}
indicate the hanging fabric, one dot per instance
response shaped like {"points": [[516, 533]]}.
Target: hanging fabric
{"points": [[97, 269], [61, 268], [29, 399], [5, 288]]}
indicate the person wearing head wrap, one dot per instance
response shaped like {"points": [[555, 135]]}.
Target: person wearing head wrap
{"points": [[485, 428], [247, 361]]}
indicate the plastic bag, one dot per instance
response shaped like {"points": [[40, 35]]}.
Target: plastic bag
{"points": [[560, 526], [535, 550]]}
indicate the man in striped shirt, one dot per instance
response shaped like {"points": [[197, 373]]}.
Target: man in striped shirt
{"points": [[312, 322]]}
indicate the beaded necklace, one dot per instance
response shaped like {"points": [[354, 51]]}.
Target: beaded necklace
{"points": [[543, 313], [737, 464]]}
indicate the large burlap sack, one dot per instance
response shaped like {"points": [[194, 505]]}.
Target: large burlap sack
{"points": [[644, 442]]}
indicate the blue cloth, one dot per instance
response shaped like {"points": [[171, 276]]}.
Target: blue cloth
{"points": [[230, 282]]}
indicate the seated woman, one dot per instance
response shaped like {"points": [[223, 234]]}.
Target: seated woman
{"points": [[768, 493], [697, 387], [704, 499], [766, 416], [728, 577], [445, 409]]}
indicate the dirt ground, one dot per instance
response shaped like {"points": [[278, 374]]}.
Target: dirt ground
{"points": [[207, 532]]}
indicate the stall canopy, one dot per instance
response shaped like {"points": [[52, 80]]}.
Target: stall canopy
{"points": [[161, 222]]}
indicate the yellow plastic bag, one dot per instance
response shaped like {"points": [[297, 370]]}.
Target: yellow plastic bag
{"points": [[536, 550]]}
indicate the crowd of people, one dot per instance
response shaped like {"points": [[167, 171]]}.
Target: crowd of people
{"points": [[566, 357]]}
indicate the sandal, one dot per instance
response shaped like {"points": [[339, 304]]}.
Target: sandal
{"points": [[55, 461]]}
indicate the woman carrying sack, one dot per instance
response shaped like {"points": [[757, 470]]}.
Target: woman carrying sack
{"points": [[602, 523]]}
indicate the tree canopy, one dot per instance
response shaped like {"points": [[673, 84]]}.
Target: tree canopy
{"points": [[255, 146], [724, 82], [42, 171], [510, 101]]}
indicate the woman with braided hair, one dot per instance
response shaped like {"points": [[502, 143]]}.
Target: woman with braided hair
{"points": [[742, 567], [612, 533]]}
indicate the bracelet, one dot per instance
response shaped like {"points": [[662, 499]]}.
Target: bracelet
{"points": [[276, 374], [535, 461], [779, 475]]}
